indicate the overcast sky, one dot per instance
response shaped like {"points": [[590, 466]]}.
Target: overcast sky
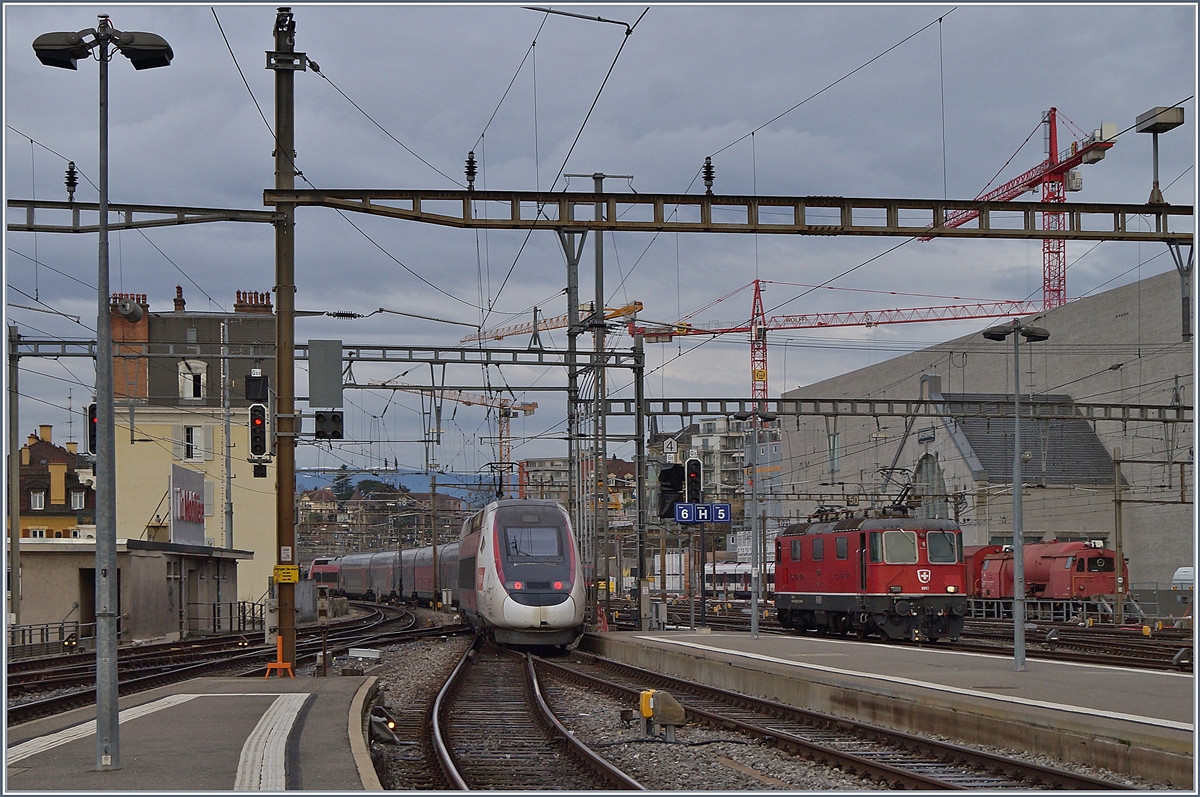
{"points": [[941, 110]]}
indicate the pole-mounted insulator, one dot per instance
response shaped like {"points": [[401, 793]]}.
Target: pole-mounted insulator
{"points": [[708, 175], [72, 181], [471, 170]]}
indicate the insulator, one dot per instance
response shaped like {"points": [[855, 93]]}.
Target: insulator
{"points": [[343, 314], [708, 175], [72, 181], [471, 170]]}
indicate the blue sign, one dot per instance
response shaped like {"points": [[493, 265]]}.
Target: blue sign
{"points": [[703, 513]]}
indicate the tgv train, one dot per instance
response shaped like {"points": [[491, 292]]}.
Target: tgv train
{"points": [[514, 573]]}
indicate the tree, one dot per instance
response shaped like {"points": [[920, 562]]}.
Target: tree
{"points": [[342, 487]]}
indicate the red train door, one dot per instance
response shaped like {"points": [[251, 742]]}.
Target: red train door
{"points": [[862, 561]]}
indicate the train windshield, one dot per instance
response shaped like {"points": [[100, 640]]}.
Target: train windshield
{"points": [[942, 547], [532, 542], [900, 547], [1100, 564]]}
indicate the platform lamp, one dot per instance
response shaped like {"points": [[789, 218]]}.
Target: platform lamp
{"points": [[144, 51], [1031, 334], [756, 566]]}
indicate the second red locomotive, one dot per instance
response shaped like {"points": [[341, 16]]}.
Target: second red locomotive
{"points": [[895, 577]]}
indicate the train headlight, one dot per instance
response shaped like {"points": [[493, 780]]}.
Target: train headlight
{"points": [[951, 588], [558, 585], [518, 585], [895, 588]]}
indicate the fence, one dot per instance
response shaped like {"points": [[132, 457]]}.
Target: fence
{"points": [[52, 639], [232, 617]]}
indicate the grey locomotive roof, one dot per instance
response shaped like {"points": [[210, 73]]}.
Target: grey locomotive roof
{"points": [[1064, 451]]}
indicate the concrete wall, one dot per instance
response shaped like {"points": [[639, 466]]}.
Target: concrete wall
{"points": [[1121, 346], [154, 583], [143, 477]]}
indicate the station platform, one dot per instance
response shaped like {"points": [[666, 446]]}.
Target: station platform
{"points": [[209, 734], [1138, 722]]}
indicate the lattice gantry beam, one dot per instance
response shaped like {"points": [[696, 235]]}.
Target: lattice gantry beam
{"points": [[83, 217], [812, 215]]}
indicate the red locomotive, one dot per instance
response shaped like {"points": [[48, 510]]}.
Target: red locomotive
{"points": [[895, 577], [1075, 570]]}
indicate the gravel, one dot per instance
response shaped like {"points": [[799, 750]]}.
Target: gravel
{"points": [[700, 759]]}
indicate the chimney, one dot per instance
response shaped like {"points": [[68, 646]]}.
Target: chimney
{"points": [[179, 302], [73, 447], [32, 439], [45, 431], [25, 452], [253, 302]]}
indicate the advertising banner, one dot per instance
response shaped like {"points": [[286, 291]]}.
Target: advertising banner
{"points": [[187, 506]]}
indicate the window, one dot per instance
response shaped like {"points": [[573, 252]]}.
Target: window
{"points": [[191, 379], [818, 549], [78, 499], [1100, 564], [900, 547], [532, 542], [842, 546], [1070, 561], [37, 533], [942, 547], [189, 442], [1081, 566], [797, 547], [873, 545], [37, 500]]}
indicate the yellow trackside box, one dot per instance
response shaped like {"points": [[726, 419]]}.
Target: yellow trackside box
{"points": [[647, 703]]}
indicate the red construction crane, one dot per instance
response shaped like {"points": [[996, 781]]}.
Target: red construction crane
{"points": [[1055, 177], [760, 324]]}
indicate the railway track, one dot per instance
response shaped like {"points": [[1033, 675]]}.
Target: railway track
{"points": [[894, 759], [241, 662], [492, 729]]}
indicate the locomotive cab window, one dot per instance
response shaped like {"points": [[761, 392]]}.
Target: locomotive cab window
{"points": [[818, 549], [1100, 564], [842, 547], [1069, 562], [900, 547], [797, 547], [874, 546], [942, 547]]}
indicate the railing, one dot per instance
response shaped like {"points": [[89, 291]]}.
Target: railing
{"points": [[50, 639], [232, 617]]}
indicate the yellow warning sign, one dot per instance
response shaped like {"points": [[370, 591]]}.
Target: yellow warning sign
{"points": [[286, 574]]}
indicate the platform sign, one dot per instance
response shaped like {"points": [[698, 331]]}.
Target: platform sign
{"points": [[703, 513]]}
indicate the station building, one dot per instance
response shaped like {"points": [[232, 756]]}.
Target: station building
{"points": [[1123, 346]]}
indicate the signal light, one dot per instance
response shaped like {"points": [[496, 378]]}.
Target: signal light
{"points": [[329, 425], [258, 430], [518, 585], [670, 489], [694, 482], [558, 585], [93, 425]]}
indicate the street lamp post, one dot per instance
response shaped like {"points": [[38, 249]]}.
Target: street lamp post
{"points": [[145, 51], [1030, 333], [756, 564]]}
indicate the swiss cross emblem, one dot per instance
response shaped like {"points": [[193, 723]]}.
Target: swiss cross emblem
{"points": [[924, 576]]}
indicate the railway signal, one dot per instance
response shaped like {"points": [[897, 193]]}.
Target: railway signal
{"points": [[258, 430], [694, 482], [92, 426], [670, 489], [329, 424]]}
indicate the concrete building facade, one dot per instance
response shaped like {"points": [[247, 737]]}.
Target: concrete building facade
{"points": [[1124, 346], [169, 373]]}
